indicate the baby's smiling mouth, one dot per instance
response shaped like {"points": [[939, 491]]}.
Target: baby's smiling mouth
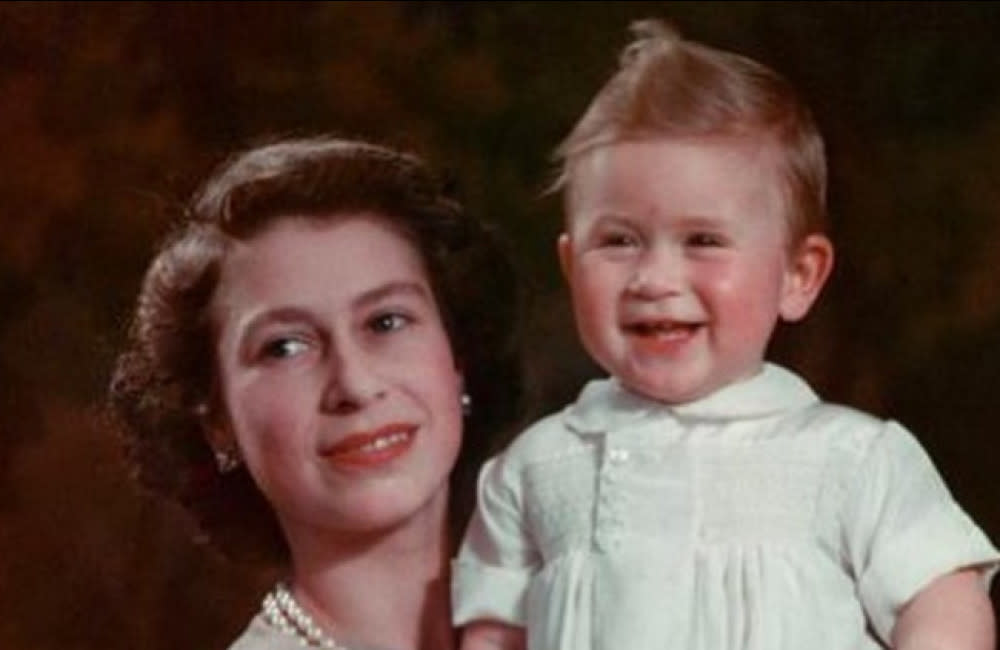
{"points": [[661, 329]]}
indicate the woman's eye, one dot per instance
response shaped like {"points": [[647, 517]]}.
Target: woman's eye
{"points": [[388, 322], [284, 348]]}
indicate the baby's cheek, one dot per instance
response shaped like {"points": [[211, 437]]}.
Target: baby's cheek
{"points": [[593, 322], [593, 295], [588, 312], [752, 318]]}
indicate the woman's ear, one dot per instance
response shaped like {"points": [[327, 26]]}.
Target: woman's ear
{"points": [[216, 433], [809, 267], [214, 423], [219, 436]]}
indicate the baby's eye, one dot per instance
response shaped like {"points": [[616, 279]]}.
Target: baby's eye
{"points": [[283, 348], [618, 239], [388, 322], [705, 239]]}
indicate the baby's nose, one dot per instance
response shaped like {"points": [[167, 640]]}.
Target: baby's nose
{"points": [[658, 272]]}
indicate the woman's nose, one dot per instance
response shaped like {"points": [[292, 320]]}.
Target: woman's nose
{"points": [[353, 381]]}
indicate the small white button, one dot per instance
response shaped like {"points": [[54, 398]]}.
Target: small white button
{"points": [[618, 455]]}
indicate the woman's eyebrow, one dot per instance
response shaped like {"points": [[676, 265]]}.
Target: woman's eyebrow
{"points": [[291, 314], [275, 315], [401, 287]]}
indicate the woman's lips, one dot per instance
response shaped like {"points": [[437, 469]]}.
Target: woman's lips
{"points": [[369, 449]]}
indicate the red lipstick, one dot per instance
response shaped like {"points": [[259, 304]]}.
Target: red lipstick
{"points": [[372, 448]]}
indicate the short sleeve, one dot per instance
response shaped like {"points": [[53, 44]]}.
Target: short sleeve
{"points": [[497, 559], [903, 529]]}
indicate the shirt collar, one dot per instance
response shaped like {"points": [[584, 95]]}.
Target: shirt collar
{"points": [[605, 405]]}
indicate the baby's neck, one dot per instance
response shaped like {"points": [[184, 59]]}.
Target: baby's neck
{"points": [[695, 397]]}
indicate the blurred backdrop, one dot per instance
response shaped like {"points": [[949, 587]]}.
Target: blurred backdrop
{"points": [[111, 112]]}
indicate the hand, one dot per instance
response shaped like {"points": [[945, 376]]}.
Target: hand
{"points": [[492, 635]]}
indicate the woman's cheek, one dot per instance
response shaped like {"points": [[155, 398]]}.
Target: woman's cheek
{"points": [[271, 416]]}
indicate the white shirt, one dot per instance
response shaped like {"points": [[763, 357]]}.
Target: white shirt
{"points": [[756, 518]]}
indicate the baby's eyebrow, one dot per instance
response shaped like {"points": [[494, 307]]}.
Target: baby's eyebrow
{"points": [[702, 221], [612, 219]]}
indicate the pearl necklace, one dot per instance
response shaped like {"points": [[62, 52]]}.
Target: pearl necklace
{"points": [[283, 612]]}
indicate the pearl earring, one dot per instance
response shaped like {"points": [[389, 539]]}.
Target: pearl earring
{"points": [[466, 402], [226, 460]]}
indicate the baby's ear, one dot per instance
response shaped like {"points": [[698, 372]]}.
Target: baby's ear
{"points": [[808, 268], [565, 249]]}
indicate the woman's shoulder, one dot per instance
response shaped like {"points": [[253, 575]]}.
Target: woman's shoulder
{"points": [[259, 635]]}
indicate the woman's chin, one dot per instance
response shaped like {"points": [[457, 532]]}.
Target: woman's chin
{"points": [[377, 513]]}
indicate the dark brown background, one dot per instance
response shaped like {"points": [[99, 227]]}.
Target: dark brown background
{"points": [[110, 112]]}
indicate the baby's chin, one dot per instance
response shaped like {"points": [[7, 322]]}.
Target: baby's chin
{"points": [[671, 395], [674, 390]]}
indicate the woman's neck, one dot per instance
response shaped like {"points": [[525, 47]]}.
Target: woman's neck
{"points": [[387, 589]]}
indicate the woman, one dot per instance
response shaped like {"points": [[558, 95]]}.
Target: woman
{"points": [[303, 352]]}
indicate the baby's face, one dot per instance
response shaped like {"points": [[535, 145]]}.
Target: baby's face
{"points": [[677, 261]]}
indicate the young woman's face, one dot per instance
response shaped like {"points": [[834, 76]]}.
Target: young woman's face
{"points": [[337, 375]]}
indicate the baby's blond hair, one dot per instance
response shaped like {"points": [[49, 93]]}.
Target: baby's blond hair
{"points": [[667, 86]]}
